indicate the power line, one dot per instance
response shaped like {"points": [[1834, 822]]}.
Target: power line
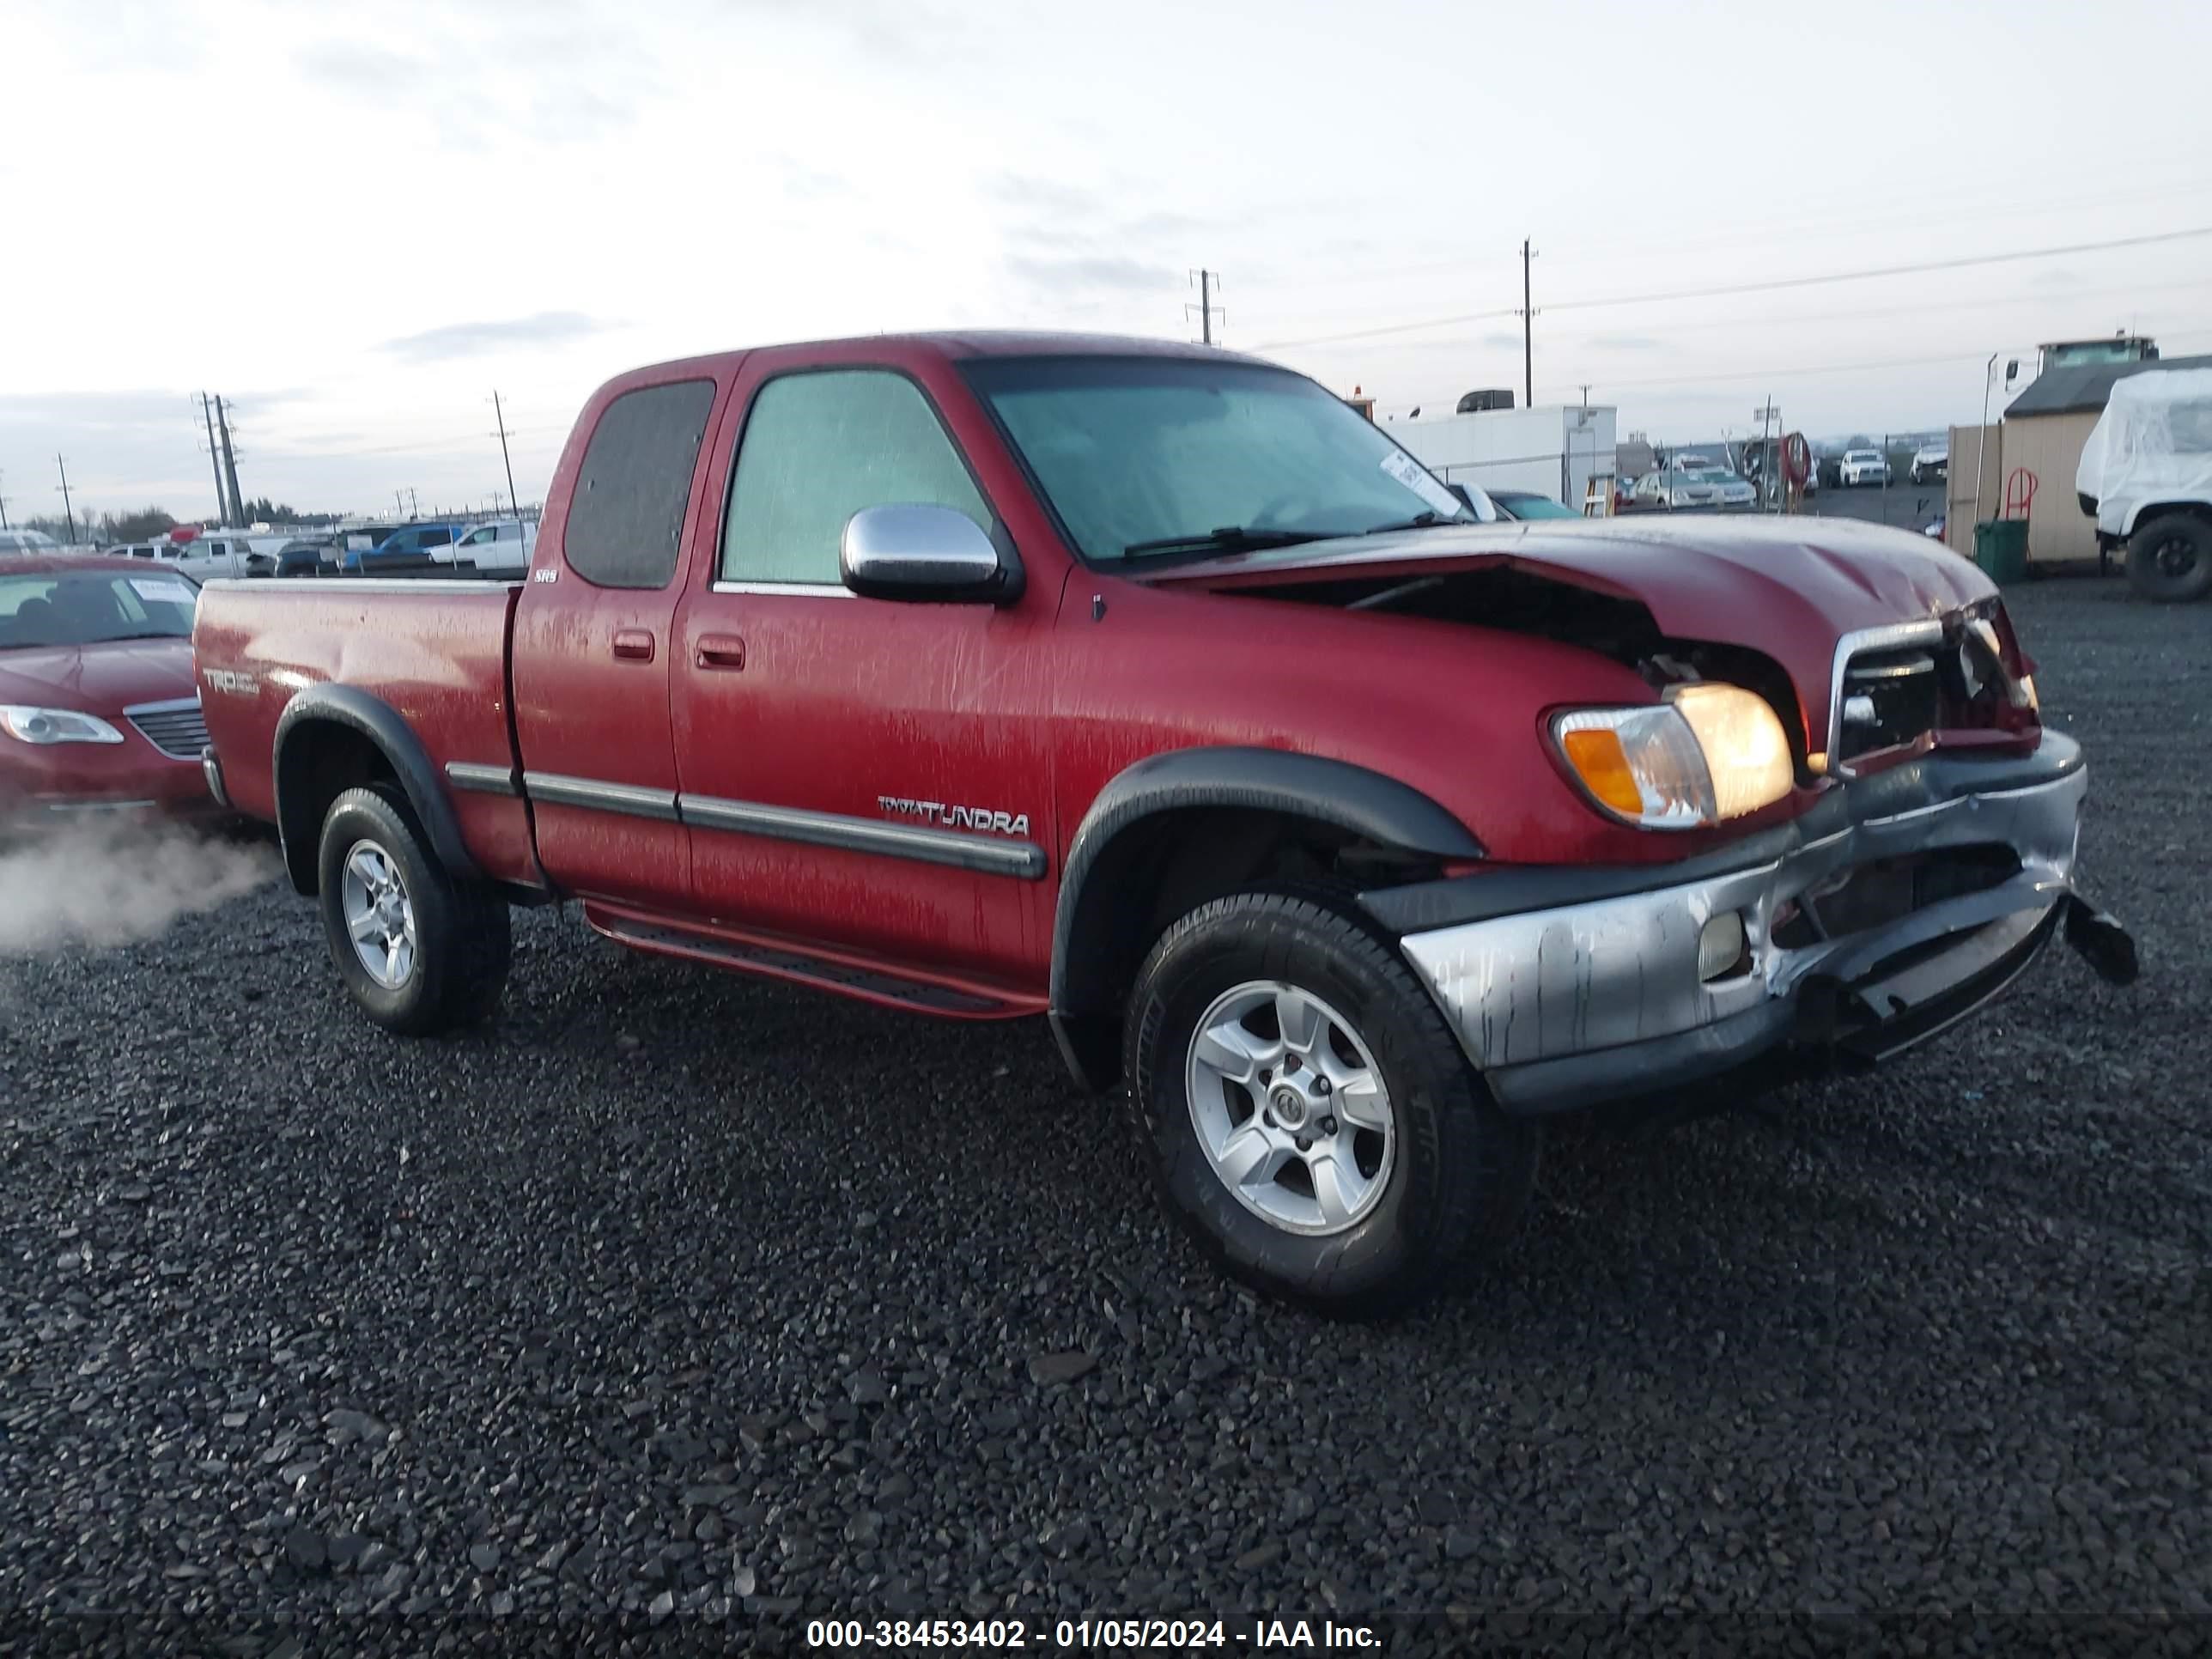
{"points": [[1769, 286], [1733, 376], [1766, 233]]}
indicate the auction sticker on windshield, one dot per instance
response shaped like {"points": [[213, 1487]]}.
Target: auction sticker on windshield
{"points": [[1409, 472]]}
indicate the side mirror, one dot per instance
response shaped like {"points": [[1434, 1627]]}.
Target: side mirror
{"points": [[909, 552]]}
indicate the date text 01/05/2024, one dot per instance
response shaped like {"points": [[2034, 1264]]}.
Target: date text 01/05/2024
{"points": [[1176, 1635]]}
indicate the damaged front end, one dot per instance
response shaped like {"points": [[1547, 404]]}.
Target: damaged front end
{"points": [[1896, 906]]}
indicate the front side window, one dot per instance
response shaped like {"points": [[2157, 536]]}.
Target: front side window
{"points": [[820, 445], [626, 518], [1145, 457]]}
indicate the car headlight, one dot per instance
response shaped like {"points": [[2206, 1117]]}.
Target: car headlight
{"points": [[44, 726], [1707, 754]]}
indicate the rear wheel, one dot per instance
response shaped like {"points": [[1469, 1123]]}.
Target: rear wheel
{"points": [[1310, 1119], [421, 952], [2170, 558]]}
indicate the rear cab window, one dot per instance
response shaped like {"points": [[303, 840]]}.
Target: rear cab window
{"points": [[625, 523]]}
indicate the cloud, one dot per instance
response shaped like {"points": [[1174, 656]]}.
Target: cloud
{"points": [[474, 339], [358, 67], [1090, 271], [1625, 342]]}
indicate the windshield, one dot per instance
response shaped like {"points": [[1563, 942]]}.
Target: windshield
{"points": [[1171, 456], [1862, 455], [90, 607], [1714, 475]]}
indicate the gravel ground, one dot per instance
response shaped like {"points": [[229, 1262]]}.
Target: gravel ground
{"points": [[677, 1304]]}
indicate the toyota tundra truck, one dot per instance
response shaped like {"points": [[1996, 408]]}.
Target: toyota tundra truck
{"points": [[1349, 828]]}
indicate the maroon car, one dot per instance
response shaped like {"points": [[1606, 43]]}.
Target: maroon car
{"points": [[99, 709]]}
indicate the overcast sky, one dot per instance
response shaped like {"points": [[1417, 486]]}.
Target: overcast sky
{"points": [[356, 222]]}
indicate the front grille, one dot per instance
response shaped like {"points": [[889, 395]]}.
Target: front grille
{"points": [[179, 732]]}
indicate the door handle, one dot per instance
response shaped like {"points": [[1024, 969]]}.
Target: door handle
{"points": [[633, 644], [719, 651]]}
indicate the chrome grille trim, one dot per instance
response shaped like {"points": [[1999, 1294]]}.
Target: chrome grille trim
{"points": [[177, 727]]}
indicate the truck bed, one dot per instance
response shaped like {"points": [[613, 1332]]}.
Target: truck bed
{"points": [[434, 651]]}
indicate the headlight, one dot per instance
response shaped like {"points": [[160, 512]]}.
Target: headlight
{"points": [[1709, 753], [43, 725]]}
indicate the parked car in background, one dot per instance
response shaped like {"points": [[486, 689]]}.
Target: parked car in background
{"points": [[100, 709], [502, 545], [1862, 466], [13, 542], [223, 553], [947, 672], [1695, 481], [1931, 463], [413, 546], [1528, 504], [310, 556]]}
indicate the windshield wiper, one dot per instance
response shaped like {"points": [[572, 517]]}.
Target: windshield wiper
{"points": [[1418, 521], [1229, 538]]}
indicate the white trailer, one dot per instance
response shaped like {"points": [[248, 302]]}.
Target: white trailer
{"points": [[1554, 449]]}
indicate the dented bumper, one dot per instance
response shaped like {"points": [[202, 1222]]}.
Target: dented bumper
{"points": [[1896, 906]]}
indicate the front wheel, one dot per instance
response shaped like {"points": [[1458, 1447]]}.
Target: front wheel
{"points": [[2170, 558], [1310, 1119], [421, 952]]}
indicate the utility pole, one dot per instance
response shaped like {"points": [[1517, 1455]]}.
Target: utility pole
{"points": [[1528, 333], [499, 414], [230, 466], [1206, 280], [67, 511], [414, 501], [3, 507], [399, 505], [214, 458]]}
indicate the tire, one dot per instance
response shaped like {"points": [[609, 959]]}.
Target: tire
{"points": [[459, 946], [1446, 1179], [2170, 558]]}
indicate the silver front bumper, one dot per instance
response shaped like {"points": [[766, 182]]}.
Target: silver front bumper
{"points": [[1572, 1005]]}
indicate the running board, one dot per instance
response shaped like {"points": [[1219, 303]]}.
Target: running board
{"points": [[776, 962]]}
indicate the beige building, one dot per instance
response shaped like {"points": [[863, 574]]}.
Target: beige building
{"points": [[2044, 433]]}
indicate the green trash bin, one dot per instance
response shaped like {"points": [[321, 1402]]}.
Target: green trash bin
{"points": [[2001, 550]]}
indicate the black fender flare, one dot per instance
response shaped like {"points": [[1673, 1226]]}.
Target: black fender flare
{"points": [[386, 728], [1337, 792]]}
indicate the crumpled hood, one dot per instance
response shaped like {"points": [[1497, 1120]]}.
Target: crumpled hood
{"points": [[98, 680], [1791, 588]]}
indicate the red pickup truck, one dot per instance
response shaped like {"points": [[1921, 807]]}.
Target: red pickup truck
{"points": [[1152, 690]]}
